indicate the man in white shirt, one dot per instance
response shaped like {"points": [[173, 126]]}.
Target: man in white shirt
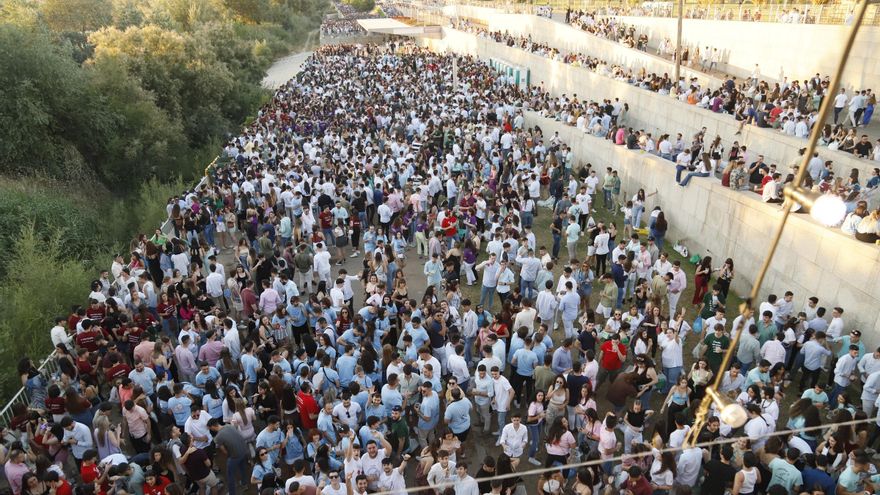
{"points": [[321, 263], [391, 478], [839, 104], [514, 438], [214, 285], [869, 363], [465, 484], [773, 350], [662, 266], [757, 427], [689, 464], [676, 286], [196, 427], [443, 471], [844, 372], [59, 333]]}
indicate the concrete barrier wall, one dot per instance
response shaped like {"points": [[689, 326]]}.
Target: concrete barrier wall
{"points": [[653, 112], [571, 39], [800, 50], [712, 219], [363, 39]]}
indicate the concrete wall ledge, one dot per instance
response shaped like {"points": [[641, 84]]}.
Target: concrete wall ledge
{"points": [[650, 111], [711, 219]]}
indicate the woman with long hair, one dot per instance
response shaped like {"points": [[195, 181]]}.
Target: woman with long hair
{"points": [[559, 443], [535, 421], [557, 400], [701, 280], [725, 276]]}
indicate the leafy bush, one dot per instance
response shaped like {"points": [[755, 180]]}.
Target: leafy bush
{"points": [[42, 282]]}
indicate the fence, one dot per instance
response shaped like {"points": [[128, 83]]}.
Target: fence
{"points": [[49, 366], [778, 12]]}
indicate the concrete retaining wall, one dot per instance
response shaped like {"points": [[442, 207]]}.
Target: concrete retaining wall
{"points": [[801, 50], [712, 219], [653, 112]]}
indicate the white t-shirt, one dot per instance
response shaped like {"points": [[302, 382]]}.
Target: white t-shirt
{"points": [[392, 483], [840, 100]]}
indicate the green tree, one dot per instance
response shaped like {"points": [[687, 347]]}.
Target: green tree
{"points": [[180, 70], [146, 142], [42, 282], [50, 118], [81, 16]]}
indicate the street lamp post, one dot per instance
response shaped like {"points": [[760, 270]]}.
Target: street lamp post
{"points": [[678, 41]]}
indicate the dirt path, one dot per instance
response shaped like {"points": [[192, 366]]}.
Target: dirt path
{"points": [[287, 67]]}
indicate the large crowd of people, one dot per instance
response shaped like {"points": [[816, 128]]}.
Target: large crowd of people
{"points": [[738, 167], [305, 324]]}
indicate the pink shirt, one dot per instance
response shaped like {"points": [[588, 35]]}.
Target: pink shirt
{"points": [[563, 446], [607, 443]]}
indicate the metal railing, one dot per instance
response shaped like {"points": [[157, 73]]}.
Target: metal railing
{"points": [[49, 366], [790, 13]]}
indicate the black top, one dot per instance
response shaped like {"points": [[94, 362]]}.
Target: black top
{"points": [[718, 476]]}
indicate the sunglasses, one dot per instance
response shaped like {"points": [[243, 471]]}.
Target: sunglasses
{"points": [[334, 476], [263, 453]]}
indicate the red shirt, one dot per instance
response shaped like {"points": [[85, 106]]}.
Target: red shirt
{"points": [[640, 487], [56, 405], [89, 474], [326, 217], [448, 225], [63, 488], [307, 406], [610, 360], [158, 488], [88, 340], [119, 370]]}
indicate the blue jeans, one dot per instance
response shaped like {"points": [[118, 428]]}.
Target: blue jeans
{"points": [[678, 170], [534, 439], [528, 219], [671, 375], [236, 472], [620, 291], [527, 288], [835, 391], [557, 238], [502, 420], [688, 177], [607, 193], [487, 295], [637, 216], [468, 349]]}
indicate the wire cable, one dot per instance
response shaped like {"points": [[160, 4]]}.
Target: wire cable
{"points": [[620, 458]]}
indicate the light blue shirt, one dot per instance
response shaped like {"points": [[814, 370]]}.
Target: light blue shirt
{"points": [[293, 450], [813, 354], [569, 305], [145, 379], [526, 360], [179, 407], [391, 397], [458, 415], [250, 365], [430, 407], [419, 336], [268, 439], [201, 378], [345, 367]]}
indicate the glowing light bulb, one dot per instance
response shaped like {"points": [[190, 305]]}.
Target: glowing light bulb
{"points": [[734, 415], [828, 209]]}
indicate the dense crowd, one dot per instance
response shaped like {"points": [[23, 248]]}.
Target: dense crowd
{"points": [[284, 372], [738, 167], [781, 103], [341, 27]]}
